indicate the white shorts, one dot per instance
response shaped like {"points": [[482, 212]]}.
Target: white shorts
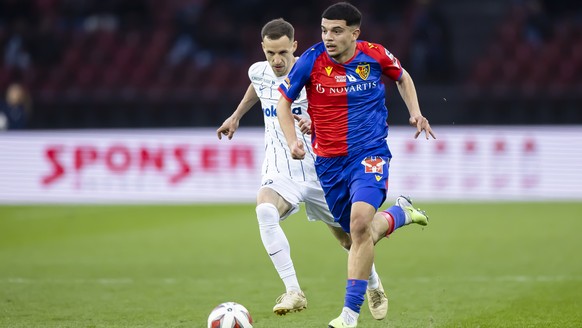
{"points": [[295, 192]]}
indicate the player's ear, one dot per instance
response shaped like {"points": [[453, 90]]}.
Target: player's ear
{"points": [[263, 45], [356, 33], [294, 46]]}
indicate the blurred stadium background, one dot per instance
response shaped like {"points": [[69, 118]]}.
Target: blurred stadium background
{"points": [[183, 63], [117, 102]]}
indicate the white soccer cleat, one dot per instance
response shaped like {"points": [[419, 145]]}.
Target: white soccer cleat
{"points": [[377, 301], [340, 323], [413, 215], [293, 301]]}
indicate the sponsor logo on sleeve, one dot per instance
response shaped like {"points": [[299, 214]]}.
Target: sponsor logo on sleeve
{"points": [[391, 56]]}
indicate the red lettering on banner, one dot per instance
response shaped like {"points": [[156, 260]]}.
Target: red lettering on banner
{"points": [[470, 179], [52, 154], [210, 159], [118, 159], [470, 146], [499, 146], [242, 156], [530, 162], [410, 147], [441, 167], [184, 167], [500, 178], [84, 155], [441, 147], [151, 157], [529, 146], [122, 159]]}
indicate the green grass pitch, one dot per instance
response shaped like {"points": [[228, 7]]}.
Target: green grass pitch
{"points": [[475, 265]]}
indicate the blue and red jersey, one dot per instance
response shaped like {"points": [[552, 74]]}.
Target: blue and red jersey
{"points": [[346, 101]]}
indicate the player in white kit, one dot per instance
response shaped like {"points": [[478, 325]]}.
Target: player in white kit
{"points": [[287, 182]]}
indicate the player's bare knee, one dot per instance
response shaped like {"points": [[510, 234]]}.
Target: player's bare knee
{"points": [[359, 231]]}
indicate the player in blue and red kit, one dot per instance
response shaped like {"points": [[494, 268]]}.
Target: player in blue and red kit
{"points": [[346, 97]]}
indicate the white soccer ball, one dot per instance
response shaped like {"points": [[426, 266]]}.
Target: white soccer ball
{"points": [[230, 315]]}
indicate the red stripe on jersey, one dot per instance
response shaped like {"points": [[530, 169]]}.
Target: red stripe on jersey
{"points": [[330, 117]]}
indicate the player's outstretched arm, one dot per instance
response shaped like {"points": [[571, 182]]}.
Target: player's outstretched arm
{"points": [[408, 94], [230, 125], [287, 123]]}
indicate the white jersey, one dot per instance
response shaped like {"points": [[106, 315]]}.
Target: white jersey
{"points": [[294, 180], [278, 158]]}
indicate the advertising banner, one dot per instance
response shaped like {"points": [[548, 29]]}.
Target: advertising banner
{"points": [[193, 166]]}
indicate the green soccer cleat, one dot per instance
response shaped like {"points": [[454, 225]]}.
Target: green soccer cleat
{"points": [[412, 215], [340, 323]]}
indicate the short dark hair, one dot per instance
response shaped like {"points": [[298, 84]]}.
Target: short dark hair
{"points": [[343, 11], [277, 28]]}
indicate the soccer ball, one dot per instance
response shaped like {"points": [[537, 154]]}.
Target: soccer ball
{"points": [[230, 315]]}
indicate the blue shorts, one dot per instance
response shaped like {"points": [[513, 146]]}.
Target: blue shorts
{"points": [[361, 177]]}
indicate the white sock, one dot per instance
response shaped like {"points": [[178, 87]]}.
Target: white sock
{"points": [[350, 316], [276, 244], [373, 278]]}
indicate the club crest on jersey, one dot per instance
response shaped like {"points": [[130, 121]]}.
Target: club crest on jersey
{"points": [[363, 71], [328, 70], [373, 164]]}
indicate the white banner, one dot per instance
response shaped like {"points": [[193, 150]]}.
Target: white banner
{"points": [[193, 166]]}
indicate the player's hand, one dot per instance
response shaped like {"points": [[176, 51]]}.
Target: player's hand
{"points": [[421, 124], [304, 123], [227, 128], [297, 150]]}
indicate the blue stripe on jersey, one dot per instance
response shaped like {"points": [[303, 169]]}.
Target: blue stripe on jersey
{"points": [[263, 79], [284, 152], [274, 152], [309, 152], [266, 166]]}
